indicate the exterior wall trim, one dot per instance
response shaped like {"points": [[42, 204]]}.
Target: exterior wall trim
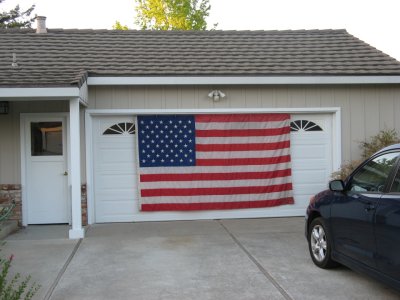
{"points": [[39, 93], [76, 231], [248, 80], [90, 113]]}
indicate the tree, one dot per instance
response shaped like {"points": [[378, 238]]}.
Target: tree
{"points": [[119, 26], [172, 14], [16, 18]]}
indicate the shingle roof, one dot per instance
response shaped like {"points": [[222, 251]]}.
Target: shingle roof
{"points": [[64, 57]]}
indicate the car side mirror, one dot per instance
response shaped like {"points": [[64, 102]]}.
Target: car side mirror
{"points": [[336, 185]]}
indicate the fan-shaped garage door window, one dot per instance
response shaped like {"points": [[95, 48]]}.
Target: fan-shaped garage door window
{"points": [[304, 125], [120, 128]]}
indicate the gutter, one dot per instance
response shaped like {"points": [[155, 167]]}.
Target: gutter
{"points": [[233, 80]]}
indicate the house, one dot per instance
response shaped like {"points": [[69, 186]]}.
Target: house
{"points": [[70, 99]]}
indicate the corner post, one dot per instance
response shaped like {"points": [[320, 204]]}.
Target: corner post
{"points": [[76, 232]]}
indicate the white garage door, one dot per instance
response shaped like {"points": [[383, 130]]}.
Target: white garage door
{"points": [[115, 175], [311, 147]]}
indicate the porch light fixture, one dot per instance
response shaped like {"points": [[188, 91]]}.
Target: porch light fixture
{"points": [[216, 95], [4, 107]]}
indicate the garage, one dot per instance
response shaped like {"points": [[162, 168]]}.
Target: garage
{"points": [[115, 178]]}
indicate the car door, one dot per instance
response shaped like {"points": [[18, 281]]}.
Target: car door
{"points": [[353, 212], [387, 231]]}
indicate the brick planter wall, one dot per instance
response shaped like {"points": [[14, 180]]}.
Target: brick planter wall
{"points": [[10, 193], [84, 204]]}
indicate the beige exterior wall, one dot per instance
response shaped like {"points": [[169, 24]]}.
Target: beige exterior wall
{"points": [[364, 109], [10, 148]]}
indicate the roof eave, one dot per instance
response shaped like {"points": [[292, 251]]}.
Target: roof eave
{"points": [[39, 93], [243, 80]]}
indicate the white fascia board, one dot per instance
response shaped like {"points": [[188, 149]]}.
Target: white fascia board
{"points": [[233, 80], [116, 112], [39, 93]]}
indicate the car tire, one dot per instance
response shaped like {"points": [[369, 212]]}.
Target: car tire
{"points": [[320, 245]]}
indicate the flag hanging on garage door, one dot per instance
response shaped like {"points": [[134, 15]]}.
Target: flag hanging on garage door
{"points": [[202, 162]]}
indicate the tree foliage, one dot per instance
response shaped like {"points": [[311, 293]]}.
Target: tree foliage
{"points": [[15, 18], [119, 26], [172, 14]]}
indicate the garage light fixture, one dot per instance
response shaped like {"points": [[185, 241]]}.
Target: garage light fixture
{"points": [[216, 95], [4, 108]]}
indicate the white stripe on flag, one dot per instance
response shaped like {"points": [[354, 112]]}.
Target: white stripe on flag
{"points": [[243, 154], [241, 140], [214, 169], [217, 198], [240, 125], [216, 183]]}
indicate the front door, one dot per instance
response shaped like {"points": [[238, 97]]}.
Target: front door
{"points": [[46, 170]]}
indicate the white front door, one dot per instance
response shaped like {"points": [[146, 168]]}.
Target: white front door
{"points": [[46, 170]]}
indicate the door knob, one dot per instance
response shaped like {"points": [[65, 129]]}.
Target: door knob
{"points": [[65, 173]]}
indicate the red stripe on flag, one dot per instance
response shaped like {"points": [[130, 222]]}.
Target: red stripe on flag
{"points": [[241, 118], [214, 176], [242, 161], [242, 132], [216, 205], [216, 191], [242, 147]]}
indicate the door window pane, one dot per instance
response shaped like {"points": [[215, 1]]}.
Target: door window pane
{"points": [[373, 175], [46, 139]]}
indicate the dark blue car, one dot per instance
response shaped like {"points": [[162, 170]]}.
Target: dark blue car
{"points": [[357, 221]]}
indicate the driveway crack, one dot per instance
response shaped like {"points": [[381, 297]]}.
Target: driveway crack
{"points": [[269, 277], [62, 271]]}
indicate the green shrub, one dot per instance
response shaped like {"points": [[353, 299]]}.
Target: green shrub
{"points": [[345, 169], [14, 288], [383, 139]]}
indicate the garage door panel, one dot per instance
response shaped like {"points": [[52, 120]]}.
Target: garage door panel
{"points": [[308, 176], [303, 152], [119, 194], [113, 155], [116, 181], [116, 168], [309, 164]]}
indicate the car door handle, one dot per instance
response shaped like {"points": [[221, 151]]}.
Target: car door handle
{"points": [[369, 206]]}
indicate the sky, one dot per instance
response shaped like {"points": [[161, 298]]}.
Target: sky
{"points": [[375, 22]]}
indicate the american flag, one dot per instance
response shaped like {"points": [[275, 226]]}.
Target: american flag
{"points": [[201, 162]]}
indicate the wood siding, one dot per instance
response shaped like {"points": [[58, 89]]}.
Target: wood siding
{"points": [[365, 110], [10, 148]]}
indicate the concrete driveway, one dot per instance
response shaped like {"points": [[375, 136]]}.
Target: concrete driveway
{"points": [[212, 259]]}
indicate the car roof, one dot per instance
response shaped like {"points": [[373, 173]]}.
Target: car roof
{"points": [[388, 148]]}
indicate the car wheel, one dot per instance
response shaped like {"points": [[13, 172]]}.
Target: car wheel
{"points": [[319, 244]]}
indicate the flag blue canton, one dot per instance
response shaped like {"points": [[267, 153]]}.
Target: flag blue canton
{"points": [[166, 140]]}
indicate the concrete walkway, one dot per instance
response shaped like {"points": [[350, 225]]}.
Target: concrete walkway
{"points": [[227, 259]]}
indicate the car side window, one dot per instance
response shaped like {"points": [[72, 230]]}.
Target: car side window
{"points": [[396, 183], [374, 174]]}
